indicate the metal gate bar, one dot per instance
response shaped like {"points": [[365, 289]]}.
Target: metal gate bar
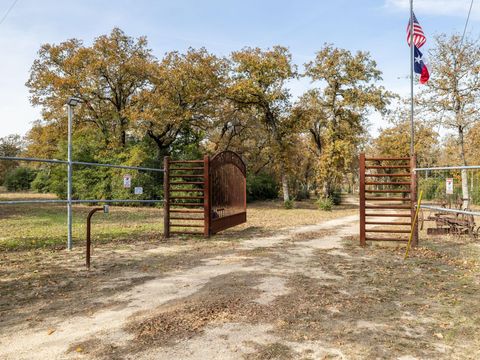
{"points": [[385, 179]]}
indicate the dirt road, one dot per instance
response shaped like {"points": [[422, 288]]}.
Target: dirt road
{"points": [[306, 293]]}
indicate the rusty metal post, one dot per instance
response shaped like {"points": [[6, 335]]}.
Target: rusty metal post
{"points": [[362, 200], [207, 210], [166, 197], [413, 195], [89, 220]]}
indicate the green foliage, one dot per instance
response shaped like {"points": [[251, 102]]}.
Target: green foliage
{"points": [[433, 188], [288, 204], [336, 197], [261, 186], [325, 204], [41, 183], [19, 179]]}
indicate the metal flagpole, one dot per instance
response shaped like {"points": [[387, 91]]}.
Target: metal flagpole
{"points": [[412, 126]]}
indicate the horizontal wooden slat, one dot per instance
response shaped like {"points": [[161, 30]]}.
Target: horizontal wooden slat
{"points": [[388, 167], [387, 183], [386, 199], [186, 225], [186, 233], [187, 168], [185, 197], [388, 175], [392, 191], [186, 161], [387, 223], [387, 159], [187, 183], [185, 218], [388, 231], [186, 176], [186, 204], [187, 190], [387, 207], [384, 239], [389, 215], [186, 211]]}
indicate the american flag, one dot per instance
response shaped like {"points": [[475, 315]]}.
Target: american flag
{"points": [[418, 36]]}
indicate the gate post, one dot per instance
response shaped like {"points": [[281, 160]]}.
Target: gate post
{"points": [[362, 200], [207, 212], [413, 196], [166, 197]]}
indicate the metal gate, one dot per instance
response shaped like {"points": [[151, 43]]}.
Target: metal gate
{"points": [[388, 190], [206, 195]]}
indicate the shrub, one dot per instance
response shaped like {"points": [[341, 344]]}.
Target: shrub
{"points": [[41, 183], [261, 186], [19, 179], [325, 204], [288, 204], [336, 197]]}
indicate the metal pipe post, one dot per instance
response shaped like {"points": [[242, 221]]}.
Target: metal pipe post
{"points": [[88, 245], [69, 184], [412, 124], [363, 241], [166, 197]]}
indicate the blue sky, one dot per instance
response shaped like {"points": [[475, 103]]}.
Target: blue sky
{"points": [[377, 26]]}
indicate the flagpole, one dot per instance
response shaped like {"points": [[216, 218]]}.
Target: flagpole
{"points": [[412, 126]]}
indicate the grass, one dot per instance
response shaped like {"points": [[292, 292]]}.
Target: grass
{"points": [[28, 226]]}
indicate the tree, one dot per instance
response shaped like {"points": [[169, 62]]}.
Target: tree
{"points": [[105, 76], [334, 113], [395, 141], [258, 84], [183, 98], [453, 91], [11, 145]]}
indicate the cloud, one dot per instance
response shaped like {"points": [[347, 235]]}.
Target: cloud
{"points": [[458, 8]]}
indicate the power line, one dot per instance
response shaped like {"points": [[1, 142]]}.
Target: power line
{"points": [[466, 23], [8, 11]]}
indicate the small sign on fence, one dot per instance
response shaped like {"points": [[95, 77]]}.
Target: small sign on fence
{"points": [[127, 181], [449, 186], [138, 190]]}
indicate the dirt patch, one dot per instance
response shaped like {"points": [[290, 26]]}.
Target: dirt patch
{"points": [[273, 351], [226, 298], [38, 284]]}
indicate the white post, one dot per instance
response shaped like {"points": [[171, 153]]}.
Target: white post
{"points": [[69, 183]]}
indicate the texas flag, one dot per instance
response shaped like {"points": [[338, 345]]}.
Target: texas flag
{"points": [[419, 66]]}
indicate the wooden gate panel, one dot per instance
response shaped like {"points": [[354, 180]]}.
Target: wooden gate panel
{"points": [[382, 187], [228, 196], [215, 189]]}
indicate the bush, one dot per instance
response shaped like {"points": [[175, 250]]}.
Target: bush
{"points": [[41, 183], [288, 204], [19, 179], [325, 204], [336, 197], [261, 187], [302, 194]]}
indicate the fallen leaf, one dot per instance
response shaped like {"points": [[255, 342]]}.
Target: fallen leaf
{"points": [[51, 331]]}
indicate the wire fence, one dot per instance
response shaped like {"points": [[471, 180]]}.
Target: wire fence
{"points": [[450, 189], [128, 188]]}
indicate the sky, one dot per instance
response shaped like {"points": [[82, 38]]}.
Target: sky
{"points": [[222, 26]]}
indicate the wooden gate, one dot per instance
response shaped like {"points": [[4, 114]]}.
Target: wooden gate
{"points": [[206, 195], [388, 190]]}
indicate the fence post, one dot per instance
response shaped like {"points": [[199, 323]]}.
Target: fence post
{"points": [[166, 197], [206, 196], [362, 200], [69, 178], [413, 196]]}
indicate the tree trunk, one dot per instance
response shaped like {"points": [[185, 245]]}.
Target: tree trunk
{"points": [[465, 193], [286, 194]]}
